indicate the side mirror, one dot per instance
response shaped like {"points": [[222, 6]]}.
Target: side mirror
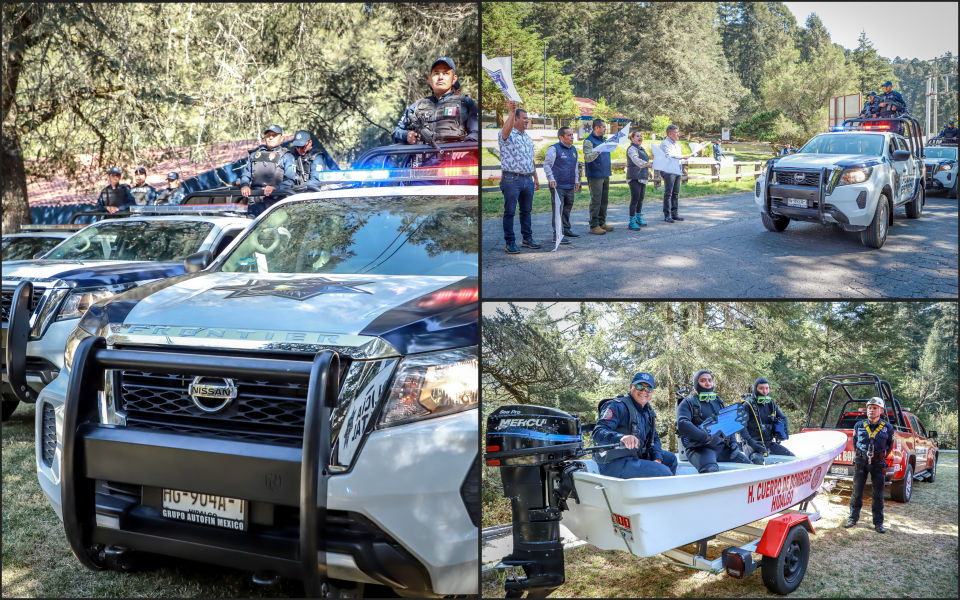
{"points": [[901, 155], [933, 434], [197, 261]]}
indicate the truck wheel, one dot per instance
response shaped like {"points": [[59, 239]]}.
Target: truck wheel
{"points": [[932, 475], [9, 405], [915, 209], [953, 191], [782, 574], [901, 490], [876, 233], [774, 223]]}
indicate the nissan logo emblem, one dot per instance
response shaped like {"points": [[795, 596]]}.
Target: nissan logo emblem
{"points": [[799, 177], [212, 394]]}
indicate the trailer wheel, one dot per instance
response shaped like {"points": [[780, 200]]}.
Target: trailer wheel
{"points": [[782, 574], [902, 490]]}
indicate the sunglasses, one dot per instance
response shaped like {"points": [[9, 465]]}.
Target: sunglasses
{"points": [[707, 396], [644, 388]]}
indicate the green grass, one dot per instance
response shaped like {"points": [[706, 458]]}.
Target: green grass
{"points": [[492, 202]]}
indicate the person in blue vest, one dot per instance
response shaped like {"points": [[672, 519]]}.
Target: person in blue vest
{"points": [[787, 150], [766, 423], [871, 107], [702, 448], [561, 166], [638, 174], [631, 420], [873, 441], [717, 151], [115, 196], [891, 103], [949, 134], [598, 177], [173, 193], [143, 193]]}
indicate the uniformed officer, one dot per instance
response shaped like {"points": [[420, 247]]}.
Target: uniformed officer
{"points": [[766, 424], [270, 166], [717, 151], [142, 192], [871, 107], [787, 150], [631, 420], [173, 193], [891, 104], [115, 196], [447, 115], [310, 161], [703, 449], [949, 133], [873, 440]]}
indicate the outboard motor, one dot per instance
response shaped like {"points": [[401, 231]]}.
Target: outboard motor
{"points": [[535, 448]]}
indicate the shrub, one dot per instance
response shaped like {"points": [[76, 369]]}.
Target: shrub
{"points": [[659, 125]]}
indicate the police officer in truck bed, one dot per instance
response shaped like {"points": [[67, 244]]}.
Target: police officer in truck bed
{"points": [[873, 440], [631, 420], [270, 166], [447, 115], [115, 196]]}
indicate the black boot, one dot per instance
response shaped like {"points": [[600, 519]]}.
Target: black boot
{"points": [[850, 522]]}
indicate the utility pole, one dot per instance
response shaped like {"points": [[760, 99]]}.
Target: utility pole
{"points": [[933, 97], [544, 84]]}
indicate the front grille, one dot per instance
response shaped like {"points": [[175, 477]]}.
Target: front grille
{"points": [[49, 434], [805, 178], [263, 411], [6, 300]]}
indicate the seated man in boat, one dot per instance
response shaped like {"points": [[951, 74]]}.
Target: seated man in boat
{"points": [[703, 449], [631, 420], [767, 424], [873, 440]]}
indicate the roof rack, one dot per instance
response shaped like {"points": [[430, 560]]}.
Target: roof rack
{"points": [[904, 125], [939, 141]]}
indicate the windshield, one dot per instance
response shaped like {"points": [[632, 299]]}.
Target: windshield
{"points": [[950, 153], [161, 241], [847, 143], [402, 235], [27, 247]]}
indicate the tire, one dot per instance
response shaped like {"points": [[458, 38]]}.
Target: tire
{"points": [[915, 208], [953, 191], [9, 405], [902, 490], [782, 574], [774, 223], [932, 475], [876, 233]]}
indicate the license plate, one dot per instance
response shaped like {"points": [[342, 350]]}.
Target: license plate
{"points": [[206, 509], [796, 202], [839, 470]]}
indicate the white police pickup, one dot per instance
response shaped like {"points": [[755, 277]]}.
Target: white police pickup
{"points": [[304, 407], [855, 177], [42, 299], [941, 163]]}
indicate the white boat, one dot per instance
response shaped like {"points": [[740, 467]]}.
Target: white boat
{"points": [[650, 515]]}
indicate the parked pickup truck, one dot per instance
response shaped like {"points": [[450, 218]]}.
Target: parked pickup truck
{"points": [[839, 401]]}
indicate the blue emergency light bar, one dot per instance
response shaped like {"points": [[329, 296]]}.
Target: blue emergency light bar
{"points": [[400, 175]]}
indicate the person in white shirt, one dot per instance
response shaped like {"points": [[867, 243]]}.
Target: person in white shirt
{"points": [[672, 173]]}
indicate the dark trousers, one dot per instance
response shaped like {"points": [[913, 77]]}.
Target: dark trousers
{"points": [[637, 192], [705, 459], [860, 481], [517, 191], [628, 468], [671, 194], [566, 203], [599, 189]]}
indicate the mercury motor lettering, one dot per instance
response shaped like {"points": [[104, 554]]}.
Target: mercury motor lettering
{"points": [[521, 423], [212, 394]]}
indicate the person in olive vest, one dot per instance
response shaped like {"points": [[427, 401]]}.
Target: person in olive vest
{"points": [[766, 423], [446, 115], [143, 193], [598, 177], [702, 448], [269, 167], [638, 174], [632, 421], [173, 193], [115, 196], [873, 440], [561, 166]]}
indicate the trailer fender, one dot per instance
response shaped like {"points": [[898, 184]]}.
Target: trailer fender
{"points": [[776, 531]]}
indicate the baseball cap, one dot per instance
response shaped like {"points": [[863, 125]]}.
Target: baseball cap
{"points": [[173, 175], [951, 122], [646, 378], [875, 401], [871, 93], [300, 138], [141, 170], [275, 129], [444, 59], [887, 82], [114, 171]]}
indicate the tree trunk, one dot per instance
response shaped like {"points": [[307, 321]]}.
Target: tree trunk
{"points": [[16, 210]]}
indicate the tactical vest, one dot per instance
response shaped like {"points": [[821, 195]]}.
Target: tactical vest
{"points": [[265, 167], [305, 164], [444, 118], [600, 166], [141, 193], [115, 196], [949, 133], [635, 172], [565, 166], [630, 428]]}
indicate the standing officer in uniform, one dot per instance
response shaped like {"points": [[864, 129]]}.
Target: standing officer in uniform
{"points": [[173, 193], [949, 134], [115, 196], [766, 425], [270, 166], [891, 103], [703, 449], [717, 151], [444, 116], [632, 421], [873, 439], [143, 193], [871, 107], [309, 161]]}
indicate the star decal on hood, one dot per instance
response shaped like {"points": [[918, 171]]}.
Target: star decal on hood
{"points": [[299, 289]]}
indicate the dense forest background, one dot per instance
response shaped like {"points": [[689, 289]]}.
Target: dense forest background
{"points": [[110, 80], [703, 65], [571, 355]]}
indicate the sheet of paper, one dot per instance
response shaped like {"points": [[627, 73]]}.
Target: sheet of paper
{"points": [[660, 160], [696, 147], [557, 225], [499, 71], [609, 146]]}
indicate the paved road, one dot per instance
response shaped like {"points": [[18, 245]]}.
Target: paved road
{"points": [[722, 250]]}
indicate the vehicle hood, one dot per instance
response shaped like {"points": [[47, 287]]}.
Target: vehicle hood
{"points": [[298, 307], [90, 273], [815, 161]]}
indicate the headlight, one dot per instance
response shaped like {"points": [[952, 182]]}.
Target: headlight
{"points": [[946, 167], [91, 324], [78, 301], [855, 175], [432, 384]]}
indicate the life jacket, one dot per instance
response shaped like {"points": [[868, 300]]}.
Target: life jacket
{"points": [[444, 117], [265, 166]]}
